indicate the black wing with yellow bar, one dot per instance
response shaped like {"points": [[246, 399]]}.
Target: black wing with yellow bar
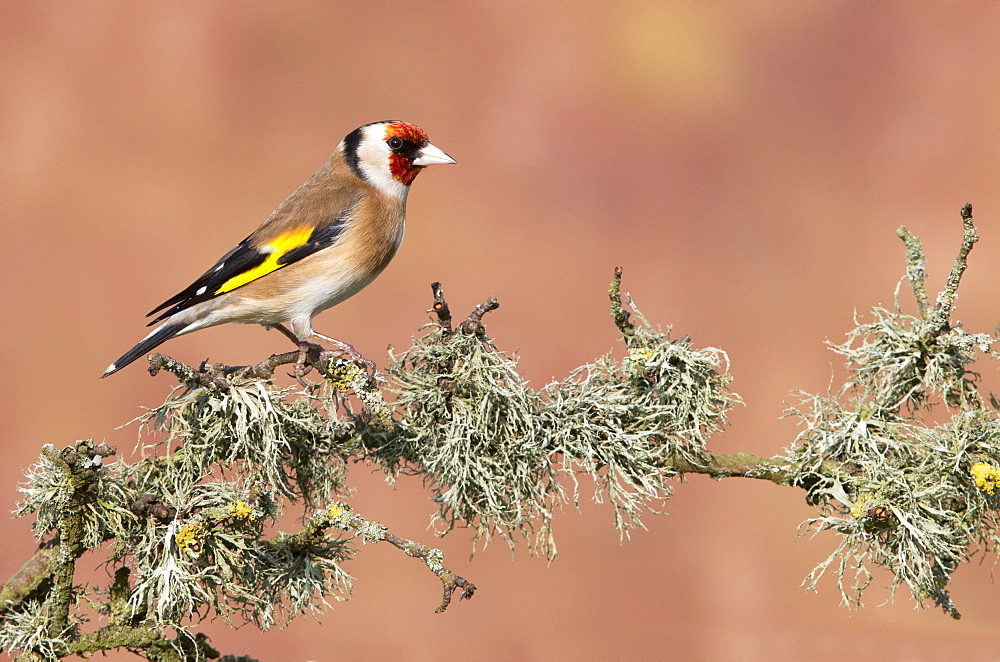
{"points": [[247, 263]]}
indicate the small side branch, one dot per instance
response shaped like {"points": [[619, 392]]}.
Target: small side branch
{"points": [[340, 516], [440, 308], [153, 644], [150, 505], [619, 314], [946, 299], [915, 270], [937, 316], [432, 559], [474, 324]]}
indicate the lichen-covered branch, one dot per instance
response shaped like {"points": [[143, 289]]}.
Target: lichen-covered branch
{"points": [[326, 363], [78, 466], [230, 451], [740, 465], [148, 639]]}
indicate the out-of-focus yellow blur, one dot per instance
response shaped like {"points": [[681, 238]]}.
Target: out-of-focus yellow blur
{"points": [[747, 164]]}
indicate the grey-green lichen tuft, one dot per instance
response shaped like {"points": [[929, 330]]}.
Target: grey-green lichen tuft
{"points": [[625, 423], [469, 422], [494, 449]]}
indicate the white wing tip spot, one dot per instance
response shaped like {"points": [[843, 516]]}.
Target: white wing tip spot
{"points": [[202, 289]]}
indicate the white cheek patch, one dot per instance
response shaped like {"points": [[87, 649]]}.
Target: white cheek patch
{"points": [[373, 162]]}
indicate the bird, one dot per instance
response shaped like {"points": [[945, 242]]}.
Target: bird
{"points": [[325, 243]]}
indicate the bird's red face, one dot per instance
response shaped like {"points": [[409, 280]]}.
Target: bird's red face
{"points": [[389, 154], [405, 141]]}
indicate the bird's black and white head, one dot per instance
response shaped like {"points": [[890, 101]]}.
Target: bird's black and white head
{"points": [[389, 154]]}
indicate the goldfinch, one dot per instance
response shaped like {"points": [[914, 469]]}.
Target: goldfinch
{"points": [[325, 243]]}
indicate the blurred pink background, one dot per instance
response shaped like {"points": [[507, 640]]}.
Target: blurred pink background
{"points": [[746, 163]]}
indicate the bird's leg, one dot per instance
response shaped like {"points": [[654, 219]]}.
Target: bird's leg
{"points": [[284, 330], [349, 350]]}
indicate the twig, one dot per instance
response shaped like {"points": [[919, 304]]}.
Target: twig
{"points": [[915, 272], [432, 559], [946, 299], [440, 308], [152, 642], [340, 515], [619, 314], [474, 324]]}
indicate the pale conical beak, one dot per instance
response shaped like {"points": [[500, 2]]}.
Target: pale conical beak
{"points": [[431, 155]]}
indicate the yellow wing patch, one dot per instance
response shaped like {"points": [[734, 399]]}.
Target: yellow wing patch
{"points": [[278, 247]]}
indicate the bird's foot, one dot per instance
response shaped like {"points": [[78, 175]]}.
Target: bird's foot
{"points": [[349, 350], [325, 357], [302, 365]]}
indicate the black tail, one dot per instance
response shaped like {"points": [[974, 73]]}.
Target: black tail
{"points": [[155, 339]]}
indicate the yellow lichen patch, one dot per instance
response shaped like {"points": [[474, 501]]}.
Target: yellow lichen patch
{"points": [[189, 538], [342, 377], [350, 377], [241, 510], [337, 509], [277, 248], [640, 355], [860, 507], [987, 477]]}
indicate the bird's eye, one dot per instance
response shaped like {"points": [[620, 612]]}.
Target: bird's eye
{"points": [[395, 143]]}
